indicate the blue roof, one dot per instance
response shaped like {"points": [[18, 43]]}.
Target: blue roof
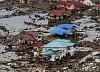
{"points": [[61, 40], [67, 26], [59, 31], [59, 43], [48, 52]]}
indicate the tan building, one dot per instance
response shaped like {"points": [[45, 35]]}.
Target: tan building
{"points": [[25, 1]]}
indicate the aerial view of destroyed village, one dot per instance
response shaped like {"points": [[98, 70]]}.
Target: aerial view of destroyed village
{"points": [[49, 35]]}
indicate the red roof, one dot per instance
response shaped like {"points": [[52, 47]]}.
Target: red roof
{"points": [[59, 12], [27, 37], [78, 4], [38, 44], [69, 3], [33, 33], [65, 3]]}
